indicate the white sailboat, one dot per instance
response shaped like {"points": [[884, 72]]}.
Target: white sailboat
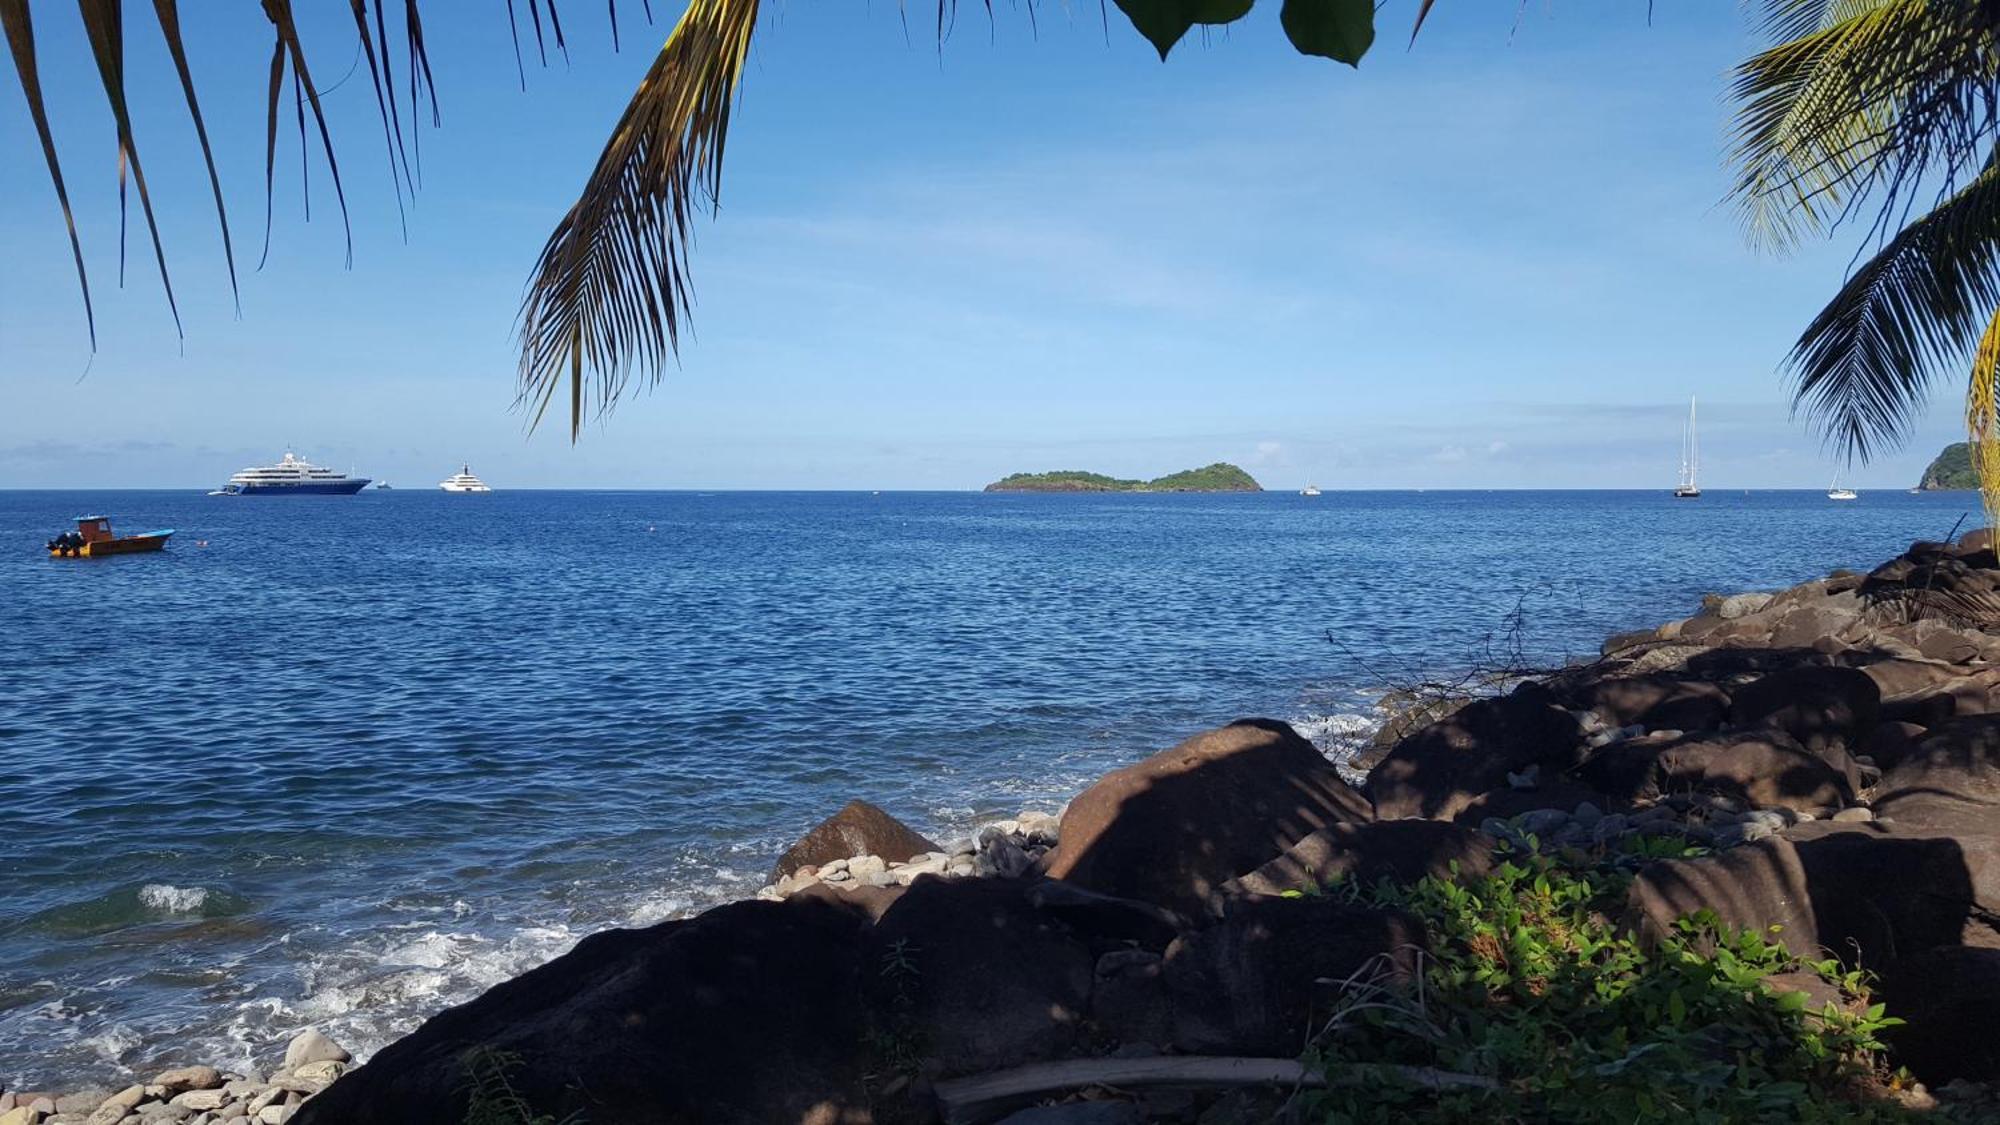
{"points": [[1687, 489], [1835, 492], [1309, 490]]}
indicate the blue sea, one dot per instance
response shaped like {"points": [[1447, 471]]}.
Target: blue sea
{"points": [[347, 761]]}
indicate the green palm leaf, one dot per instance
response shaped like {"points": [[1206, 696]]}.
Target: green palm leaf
{"points": [[611, 290], [1869, 99], [1866, 363]]}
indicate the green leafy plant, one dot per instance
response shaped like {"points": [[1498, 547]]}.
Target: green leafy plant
{"points": [[491, 1098], [899, 1043], [1530, 984]]}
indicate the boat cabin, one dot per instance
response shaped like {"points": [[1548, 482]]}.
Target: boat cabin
{"points": [[94, 529]]}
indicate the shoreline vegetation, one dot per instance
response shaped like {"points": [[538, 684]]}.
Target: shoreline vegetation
{"points": [[1219, 477]]}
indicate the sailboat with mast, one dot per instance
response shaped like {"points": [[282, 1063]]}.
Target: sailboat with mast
{"points": [[1687, 489]]}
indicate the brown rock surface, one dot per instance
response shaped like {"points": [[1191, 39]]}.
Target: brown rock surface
{"points": [[1402, 851], [859, 828], [1444, 767], [1765, 768], [1171, 829], [1252, 984]]}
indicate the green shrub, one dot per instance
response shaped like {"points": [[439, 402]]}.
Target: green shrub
{"points": [[490, 1095], [1530, 984]]}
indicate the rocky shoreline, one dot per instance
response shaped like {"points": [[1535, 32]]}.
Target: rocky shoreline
{"points": [[198, 1095], [1818, 765]]}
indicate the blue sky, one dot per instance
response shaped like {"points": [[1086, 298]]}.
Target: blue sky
{"points": [[1497, 260]]}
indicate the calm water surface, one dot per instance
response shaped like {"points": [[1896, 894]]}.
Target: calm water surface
{"points": [[356, 759]]}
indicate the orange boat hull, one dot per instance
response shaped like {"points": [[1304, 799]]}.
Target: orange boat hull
{"points": [[128, 545]]}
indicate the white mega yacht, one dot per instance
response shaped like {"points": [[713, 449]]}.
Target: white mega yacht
{"points": [[293, 476], [464, 481]]}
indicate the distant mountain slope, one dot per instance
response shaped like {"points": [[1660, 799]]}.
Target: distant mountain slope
{"points": [[1951, 469], [1219, 477]]}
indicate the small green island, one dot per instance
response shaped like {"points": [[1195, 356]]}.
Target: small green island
{"points": [[1219, 477], [1951, 469]]}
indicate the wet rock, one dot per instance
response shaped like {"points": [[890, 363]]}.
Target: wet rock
{"points": [[323, 1071], [82, 1102], [1173, 828], [114, 1107], [187, 1078], [859, 828]]}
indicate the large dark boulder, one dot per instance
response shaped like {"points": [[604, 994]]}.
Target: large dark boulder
{"points": [[1949, 1000], [1255, 982], [1765, 768], [1401, 851], [1171, 829], [1824, 709], [1655, 702], [1442, 768], [1808, 625], [975, 976], [1559, 793], [859, 828], [1948, 781], [1899, 680], [1869, 895], [1891, 741], [749, 1012]]}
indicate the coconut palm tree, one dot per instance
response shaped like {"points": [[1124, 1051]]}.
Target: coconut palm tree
{"points": [[610, 292], [1863, 112]]}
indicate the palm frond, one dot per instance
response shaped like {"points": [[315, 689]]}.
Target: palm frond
{"points": [[610, 290], [1866, 362], [168, 13], [104, 25], [1863, 99], [1982, 418], [20, 30], [287, 49]]}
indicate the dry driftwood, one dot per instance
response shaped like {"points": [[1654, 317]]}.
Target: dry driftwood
{"points": [[984, 1097]]}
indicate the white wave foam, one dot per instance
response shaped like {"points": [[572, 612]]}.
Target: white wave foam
{"points": [[170, 899]]}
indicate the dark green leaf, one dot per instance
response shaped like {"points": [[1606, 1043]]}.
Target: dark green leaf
{"points": [[1163, 22], [1341, 30]]}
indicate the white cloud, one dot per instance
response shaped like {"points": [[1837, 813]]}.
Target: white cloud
{"points": [[1449, 453]]}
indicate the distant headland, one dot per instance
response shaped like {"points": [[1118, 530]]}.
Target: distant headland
{"points": [[1952, 469], [1219, 477]]}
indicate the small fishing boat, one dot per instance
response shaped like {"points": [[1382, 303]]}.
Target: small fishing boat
{"points": [[1309, 490], [93, 538]]}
